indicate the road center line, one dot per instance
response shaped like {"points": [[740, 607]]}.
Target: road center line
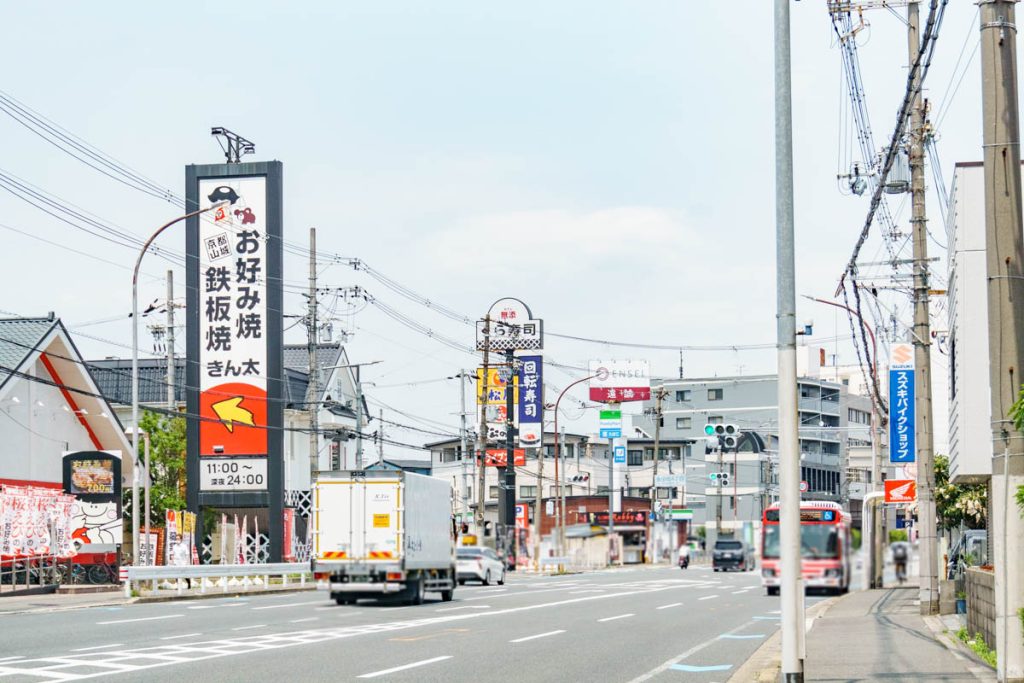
{"points": [[539, 635], [246, 628], [618, 616], [290, 604], [392, 670], [674, 604], [299, 621], [183, 635], [129, 621], [452, 609], [97, 647], [708, 597]]}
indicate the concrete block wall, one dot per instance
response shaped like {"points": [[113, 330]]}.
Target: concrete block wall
{"points": [[981, 604]]}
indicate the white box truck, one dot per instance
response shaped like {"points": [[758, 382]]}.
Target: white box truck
{"points": [[383, 533]]}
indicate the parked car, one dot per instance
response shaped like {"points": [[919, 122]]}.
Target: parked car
{"points": [[476, 563], [731, 553]]}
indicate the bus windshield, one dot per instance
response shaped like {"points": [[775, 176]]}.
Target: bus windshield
{"points": [[818, 541]]}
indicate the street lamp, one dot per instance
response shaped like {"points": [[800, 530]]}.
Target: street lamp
{"points": [[558, 480], [135, 367]]}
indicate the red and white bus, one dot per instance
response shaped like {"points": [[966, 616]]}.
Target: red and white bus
{"points": [[825, 542]]}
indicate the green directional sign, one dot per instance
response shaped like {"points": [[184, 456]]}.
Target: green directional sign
{"points": [[611, 414]]}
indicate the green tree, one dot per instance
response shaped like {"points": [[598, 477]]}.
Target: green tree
{"points": [[956, 503], [167, 462]]}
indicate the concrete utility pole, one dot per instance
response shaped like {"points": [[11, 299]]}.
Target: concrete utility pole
{"points": [[359, 417], [481, 437], [659, 396], [463, 443], [929, 589], [313, 388], [538, 505], [171, 403], [380, 437], [792, 585], [1005, 260]]}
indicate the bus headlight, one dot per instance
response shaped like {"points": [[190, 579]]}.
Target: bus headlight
{"points": [[834, 573], [768, 573]]}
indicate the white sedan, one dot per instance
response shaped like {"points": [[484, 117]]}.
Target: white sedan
{"points": [[475, 563]]}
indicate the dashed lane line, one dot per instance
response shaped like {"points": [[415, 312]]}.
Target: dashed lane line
{"points": [[396, 669], [183, 635], [97, 647], [709, 597], [618, 616], [538, 635], [131, 621], [673, 604]]}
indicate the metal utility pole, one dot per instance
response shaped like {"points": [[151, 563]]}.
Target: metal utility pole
{"points": [[481, 437], [1005, 265], [792, 586], [313, 388], [659, 396], [718, 493], [359, 418], [380, 438], [538, 505], [171, 403], [929, 589]]}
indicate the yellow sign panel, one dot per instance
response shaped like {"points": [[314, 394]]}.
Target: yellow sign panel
{"points": [[495, 387], [381, 521]]}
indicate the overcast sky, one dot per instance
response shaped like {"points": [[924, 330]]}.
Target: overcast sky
{"points": [[609, 163]]}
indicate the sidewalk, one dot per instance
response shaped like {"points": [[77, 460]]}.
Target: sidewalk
{"points": [[875, 635], [57, 602]]}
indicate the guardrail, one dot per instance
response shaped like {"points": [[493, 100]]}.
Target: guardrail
{"points": [[22, 574], [244, 577]]}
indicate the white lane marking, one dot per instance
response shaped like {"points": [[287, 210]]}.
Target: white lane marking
{"points": [[539, 635], [619, 616], [674, 604], [589, 590], [291, 604], [452, 609], [708, 597], [130, 621], [299, 621], [202, 607], [8, 659], [97, 647], [406, 666], [183, 635], [742, 590], [246, 628]]}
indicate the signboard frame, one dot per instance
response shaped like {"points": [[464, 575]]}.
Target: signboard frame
{"points": [[902, 405], [273, 333]]}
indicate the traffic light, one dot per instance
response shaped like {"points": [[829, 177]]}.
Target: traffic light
{"points": [[719, 478], [728, 435]]}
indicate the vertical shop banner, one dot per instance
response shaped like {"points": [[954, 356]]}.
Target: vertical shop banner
{"points": [[531, 400], [902, 408]]}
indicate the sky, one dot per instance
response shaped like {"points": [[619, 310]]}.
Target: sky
{"points": [[611, 164]]}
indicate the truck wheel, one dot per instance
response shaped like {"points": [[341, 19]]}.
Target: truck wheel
{"points": [[341, 600], [773, 590], [447, 595], [417, 590]]}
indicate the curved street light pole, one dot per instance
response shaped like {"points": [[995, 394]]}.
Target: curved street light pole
{"points": [[558, 482], [135, 371]]}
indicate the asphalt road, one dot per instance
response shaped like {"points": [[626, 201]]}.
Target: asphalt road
{"points": [[620, 625]]}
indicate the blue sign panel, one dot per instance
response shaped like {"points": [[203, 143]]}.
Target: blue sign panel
{"points": [[611, 433], [902, 444], [531, 394], [620, 455]]}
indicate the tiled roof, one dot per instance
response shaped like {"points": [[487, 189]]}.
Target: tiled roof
{"points": [[296, 357], [18, 337], [114, 378]]}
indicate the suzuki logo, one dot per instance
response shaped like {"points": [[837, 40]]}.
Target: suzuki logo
{"points": [[902, 354]]}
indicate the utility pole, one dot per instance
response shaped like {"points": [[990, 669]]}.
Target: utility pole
{"points": [[171, 403], [538, 512], [507, 474], [313, 388], [481, 437], [463, 445], [359, 418], [659, 396], [929, 589], [1005, 265], [380, 437], [792, 585]]}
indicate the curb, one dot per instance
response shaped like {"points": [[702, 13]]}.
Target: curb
{"points": [[67, 608], [214, 594], [981, 670], [764, 665]]}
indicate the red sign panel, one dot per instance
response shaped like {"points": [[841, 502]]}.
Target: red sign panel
{"points": [[624, 518], [497, 457], [620, 394], [900, 491]]}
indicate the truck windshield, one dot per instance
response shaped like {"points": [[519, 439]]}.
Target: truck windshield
{"points": [[817, 541]]}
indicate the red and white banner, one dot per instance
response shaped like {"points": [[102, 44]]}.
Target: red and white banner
{"points": [[900, 491], [35, 521]]}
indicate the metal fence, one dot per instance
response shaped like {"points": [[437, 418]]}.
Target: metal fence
{"points": [[203, 578], [35, 572]]}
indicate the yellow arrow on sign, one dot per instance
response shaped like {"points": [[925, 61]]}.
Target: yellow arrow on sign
{"points": [[230, 411]]}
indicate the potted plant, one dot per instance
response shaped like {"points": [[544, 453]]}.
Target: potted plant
{"points": [[961, 602]]}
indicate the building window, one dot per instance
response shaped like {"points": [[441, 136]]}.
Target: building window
{"points": [[666, 493], [637, 492], [684, 422], [449, 455], [682, 396], [715, 419], [493, 493], [527, 491], [635, 458], [715, 394], [553, 491], [649, 454], [602, 490]]}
